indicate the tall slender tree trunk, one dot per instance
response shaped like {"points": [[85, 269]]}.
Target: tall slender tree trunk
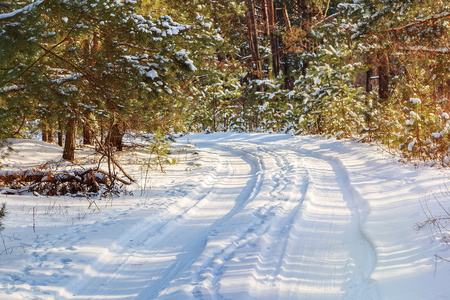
{"points": [[116, 136], [265, 17], [288, 78], [87, 135], [44, 136], [69, 145], [286, 66], [286, 19], [44, 133], [384, 77], [253, 36], [304, 10], [50, 137], [88, 138], [60, 133], [368, 82], [265, 14], [60, 138], [273, 38]]}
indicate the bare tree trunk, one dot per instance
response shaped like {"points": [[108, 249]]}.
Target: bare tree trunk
{"points": [[50, 137], [116, 136], [383, 73], [286, 19], [253, 36], [69, 145], [288, 78], [368, 78], [60, 138], [304, 10], [60, 134], [44, 134], [273, 39], [87, 135], [265, 15]]}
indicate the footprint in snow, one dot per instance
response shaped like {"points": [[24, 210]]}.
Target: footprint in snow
{"points": [[66, 260]]}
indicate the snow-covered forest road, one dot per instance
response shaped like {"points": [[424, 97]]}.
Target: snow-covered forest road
{"points": [[242, 216]]}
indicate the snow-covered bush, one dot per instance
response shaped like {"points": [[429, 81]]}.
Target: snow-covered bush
{"points": [[330, 102]]}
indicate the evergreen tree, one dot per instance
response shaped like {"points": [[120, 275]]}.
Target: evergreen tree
{"points": [[70, 59]]}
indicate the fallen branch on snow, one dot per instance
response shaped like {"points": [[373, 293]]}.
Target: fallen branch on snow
{"points": [[80, 183]]}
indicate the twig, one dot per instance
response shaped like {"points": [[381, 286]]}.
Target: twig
{"points": [[4, 245]]}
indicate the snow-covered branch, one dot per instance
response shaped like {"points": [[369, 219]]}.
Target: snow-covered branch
{"points": [[419, 22], [8, 16], [60, 80], [328, 19], [426, 49]]}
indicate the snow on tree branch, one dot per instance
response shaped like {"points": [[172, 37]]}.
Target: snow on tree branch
{"points": [[418, 22], [7, 16]]}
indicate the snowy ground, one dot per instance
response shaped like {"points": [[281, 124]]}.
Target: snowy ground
{"points": [[242, 216]]}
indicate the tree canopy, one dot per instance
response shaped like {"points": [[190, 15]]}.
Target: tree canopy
{"points": [[371, 70]]}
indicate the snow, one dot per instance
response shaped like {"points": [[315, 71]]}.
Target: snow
{"points": [[183, 55], [409, 122], [152, 74], [415, 101], [23, 10], [436, 135], [241, 216]]}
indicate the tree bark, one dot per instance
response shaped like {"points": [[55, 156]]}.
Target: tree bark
{"points": [[368, 83], [253, 36], [50, 137], [69, 145], [383, 73], [87, 135], [305, 10], [273, 39], [115, 137], [288, 78], [265, 16], [60, 134], [60, 138], [286, 19], [44, 134]]}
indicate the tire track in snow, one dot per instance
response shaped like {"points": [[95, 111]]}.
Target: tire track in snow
{"points": [[298, 192], [172, 249], [270, 211], [277, 222], [238, 200], [275, 245], [120, 251], [336, 258], [272, 244], [201, 269]]}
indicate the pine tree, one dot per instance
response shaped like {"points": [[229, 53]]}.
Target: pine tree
{"points": [[92, 58]]}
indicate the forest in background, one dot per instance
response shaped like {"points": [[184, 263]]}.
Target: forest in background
{"points": [[90, 71]]}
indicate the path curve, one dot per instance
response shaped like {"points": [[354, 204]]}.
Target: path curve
{"points": [[269, 221], [300, 237]]}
